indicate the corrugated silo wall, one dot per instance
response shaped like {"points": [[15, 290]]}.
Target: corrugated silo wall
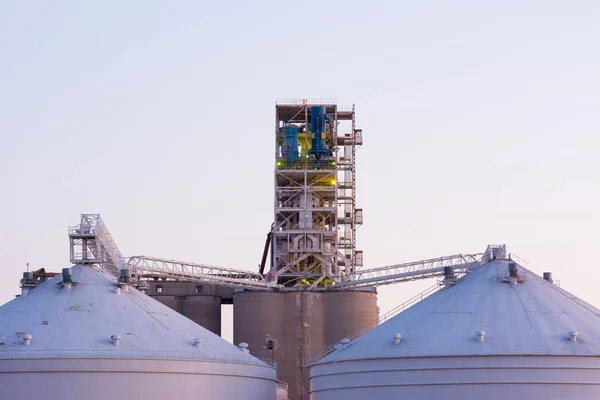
{"points": [[459, 378], [203, 309], [303, 323]]}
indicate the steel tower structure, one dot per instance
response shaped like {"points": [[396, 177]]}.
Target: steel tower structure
{"points": [[313, 239], [315, 268]]}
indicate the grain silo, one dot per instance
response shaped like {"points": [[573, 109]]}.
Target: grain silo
{"points": [[302, 323], [499, 332], [82, 335]]}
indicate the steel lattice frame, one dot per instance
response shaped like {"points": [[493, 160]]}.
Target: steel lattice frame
{"points": [[95, 244], [314, 234], [412, 271], [146, 267], [98, 247]]}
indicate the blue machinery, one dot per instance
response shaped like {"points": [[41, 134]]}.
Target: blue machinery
{"points": [[317, 135], [313, 238], [290, 146], [315, 143]]}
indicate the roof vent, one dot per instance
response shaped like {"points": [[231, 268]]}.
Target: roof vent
{"points": [[449, 276], [396, 338], [27, 339], [573, 336], [125, 276], [116, 339], [481, 336], [513, 270], [66, 275], [117, 291], [513, 274], [548, 277], [345, 342], [244, 347], [198, 342]]}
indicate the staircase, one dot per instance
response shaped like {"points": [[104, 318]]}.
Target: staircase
{"points": [[92, 243]]}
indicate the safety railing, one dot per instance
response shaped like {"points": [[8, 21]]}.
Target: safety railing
{"points": [[100, 243], [81, 230], [179, 270], [105, 239], [137, 354], [518, 259], [75, 257], [315, 228], [345, 108], [282, 385], [495, 251], [528, 349], [412, 270], [385, 317], [300, 102], [305, 164]]}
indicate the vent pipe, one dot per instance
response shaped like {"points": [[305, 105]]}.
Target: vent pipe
{"points": [[244, 347], [396, 338], [27, 339], [67, 278], [345, 342], [481, 336], [573, 336], [117, 290]]}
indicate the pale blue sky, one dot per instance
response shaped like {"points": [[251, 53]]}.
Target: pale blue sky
{"points": [[480, 123]]}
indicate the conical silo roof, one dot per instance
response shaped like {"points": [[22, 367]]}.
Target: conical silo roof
{"points": [[81, 321], [526, 315]]}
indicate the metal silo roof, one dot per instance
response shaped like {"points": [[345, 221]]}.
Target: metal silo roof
{"points": [[80, 322], [520, 316]]}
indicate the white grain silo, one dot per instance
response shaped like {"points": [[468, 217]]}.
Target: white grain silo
{"points": [[501, 332], [81, 335]]}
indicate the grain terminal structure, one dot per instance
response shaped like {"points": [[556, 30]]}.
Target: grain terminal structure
{"points": [[310, 291], [310, 294]]}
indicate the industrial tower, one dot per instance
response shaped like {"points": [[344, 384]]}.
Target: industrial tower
{"points": [[314, 295], [313, 239]]}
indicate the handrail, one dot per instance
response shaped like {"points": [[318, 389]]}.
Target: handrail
{"points": [[282, 384], [109, 244], [149, 266], [303, 163], [412, 270], [106, 251], [137, 354], [390, 314], [302, 102]]}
